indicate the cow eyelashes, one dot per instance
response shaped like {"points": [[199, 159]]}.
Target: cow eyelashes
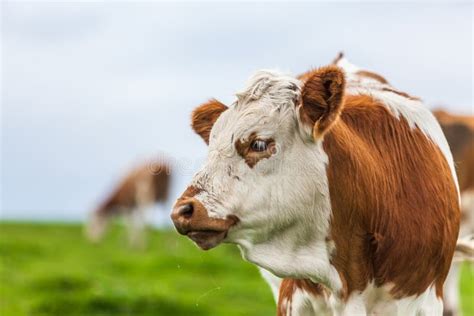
{"points": [[259, 145]]}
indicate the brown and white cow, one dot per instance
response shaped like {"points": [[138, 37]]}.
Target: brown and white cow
{"points": [[331, 177], [142, 187], [459, 131]]}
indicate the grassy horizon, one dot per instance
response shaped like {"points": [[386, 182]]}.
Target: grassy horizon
{"points": [[51, 269]]}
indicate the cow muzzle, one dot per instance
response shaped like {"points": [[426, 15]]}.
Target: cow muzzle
{"points": [[191, 219]]}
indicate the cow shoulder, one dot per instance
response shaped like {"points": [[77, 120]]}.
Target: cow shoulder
{"points": [[393, 198]]}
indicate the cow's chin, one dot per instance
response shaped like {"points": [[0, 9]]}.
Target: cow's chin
{"points": [[207, 239]]}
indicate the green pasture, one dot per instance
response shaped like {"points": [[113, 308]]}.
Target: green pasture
{"points": [[50, 269]]}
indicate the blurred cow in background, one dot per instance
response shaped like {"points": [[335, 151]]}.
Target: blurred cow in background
{"points": [[140, 189], [459, 131]]}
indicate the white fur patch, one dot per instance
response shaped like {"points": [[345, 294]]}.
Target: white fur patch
{"points": [[306, 304], [377, 301], [303, 242], [273, 281], [278, 89], [425, 304], [347, 66], [355, 305], [451, 289]]}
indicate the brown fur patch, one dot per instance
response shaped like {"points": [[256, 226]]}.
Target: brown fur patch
{"points": [[403, 94], [204, 117], [372, 75], [305, 76], [288, 289], [190, 192], [322, 98], [395, 210], [252, 157]]}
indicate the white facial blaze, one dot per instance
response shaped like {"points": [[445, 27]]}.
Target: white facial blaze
{"points": [[282, 202]]}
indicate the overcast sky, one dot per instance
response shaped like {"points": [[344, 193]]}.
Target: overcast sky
{"points": [[90, 89]]}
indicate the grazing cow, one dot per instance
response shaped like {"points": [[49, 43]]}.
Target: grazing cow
{"points": [[459, 131], [332, 177], [138, 190]]}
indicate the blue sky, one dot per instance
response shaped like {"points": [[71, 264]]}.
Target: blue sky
{"points": [[91, 88]]}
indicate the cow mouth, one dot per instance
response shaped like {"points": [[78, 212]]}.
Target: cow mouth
{"points": [[207, 239]]}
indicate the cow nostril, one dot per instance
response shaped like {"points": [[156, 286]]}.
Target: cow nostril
{"points": [[186, 211]]}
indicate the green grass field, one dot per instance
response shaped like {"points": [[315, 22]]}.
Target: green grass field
{"points": [[53, 270]]}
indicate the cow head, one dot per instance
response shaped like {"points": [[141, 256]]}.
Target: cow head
{"points": [[265, 170]]}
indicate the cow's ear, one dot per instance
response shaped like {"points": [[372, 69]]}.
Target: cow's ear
{"points": [[322, 99], [204, 117]]}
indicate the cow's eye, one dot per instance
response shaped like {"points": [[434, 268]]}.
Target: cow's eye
{"points": [[258, 145]]}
